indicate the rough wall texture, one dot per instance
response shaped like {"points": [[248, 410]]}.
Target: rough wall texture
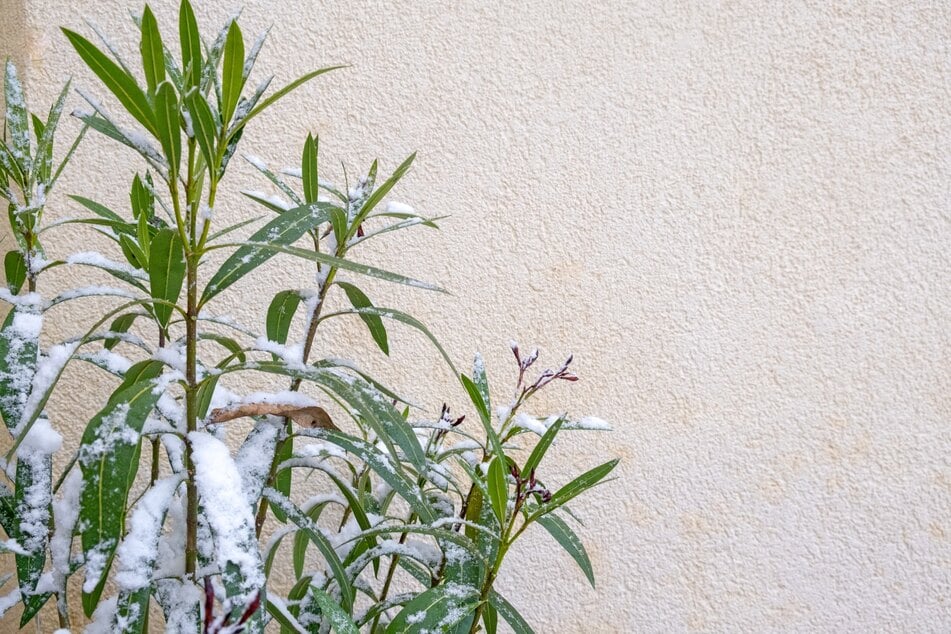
{"points": [[735, 215]]}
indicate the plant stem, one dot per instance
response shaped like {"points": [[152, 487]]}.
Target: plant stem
{"points": [[186, 227], [394, 561], [295, 385]]}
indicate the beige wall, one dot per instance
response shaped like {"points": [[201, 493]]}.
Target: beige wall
{"points": [[736, 215]]}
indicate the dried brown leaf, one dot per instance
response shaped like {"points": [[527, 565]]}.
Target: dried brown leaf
{"points": [[304, 416]]}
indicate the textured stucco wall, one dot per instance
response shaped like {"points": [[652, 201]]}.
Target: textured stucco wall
{"points": [[736, 215]]}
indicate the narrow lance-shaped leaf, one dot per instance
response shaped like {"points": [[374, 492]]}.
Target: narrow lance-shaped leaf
{"points": [[563, 534], [285, 229], [120, 325], [435, 610], [490, 618], [330, 555], [153, 57], [272, 248], [137, 555], [576, 487], [169, 129], [280, 314], [109, 459], [273, 98], [541, 448], [120, 83], [397, 315], [498, 487], [508, 612], [481, 380], [15, 269], [309, 169], [31, 532], [229, 517], [232, 79], [44, 148], [19, 339], [340, 622], [482, 408], [203, 122], [166, 271], [382, 191], [17, 117], [359, 300], [191, 44]]}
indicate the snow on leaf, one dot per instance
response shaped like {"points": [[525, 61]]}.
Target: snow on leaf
{"points": [[138, 550], [228, 513]]}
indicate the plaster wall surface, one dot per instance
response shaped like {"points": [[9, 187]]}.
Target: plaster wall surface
{"points": [[734, 214]]}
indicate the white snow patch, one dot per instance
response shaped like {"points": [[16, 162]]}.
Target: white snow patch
{"points": [[226, 509], [139, 548]]}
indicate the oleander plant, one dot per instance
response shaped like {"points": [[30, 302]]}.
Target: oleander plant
{"points": [[328, 504]]}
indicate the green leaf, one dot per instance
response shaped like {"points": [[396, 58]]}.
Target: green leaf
{"points": [[132, 606], [285, 229], [435, 610], [340, 263], [295, 515], [44, 147], [18, 359], [14, 267], [490, 618], [373, 322], [483, 409], [206, 130], [340, 621], [498, 487], [133, 253], [166, 272], [378, 412], [143, 147], [508, 612], [280, 93], [119, 82], [143, 202], [17, 117], [280, 314], [481, 381], [169, 130], [381, 464], [283, 478], [309, 169], [396, 315], [382, 191], [109, 458], [535, 458], [33, 483], [265, 201], [283, 617], [232, 79], [569, 541], [576, 487], [191, 44], [153, 56], [115, 269], [120, 325], [100, 210]]}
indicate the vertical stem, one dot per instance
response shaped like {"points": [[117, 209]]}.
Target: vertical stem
{"points": [[186, 228], [295, 385], [191, 413]]}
